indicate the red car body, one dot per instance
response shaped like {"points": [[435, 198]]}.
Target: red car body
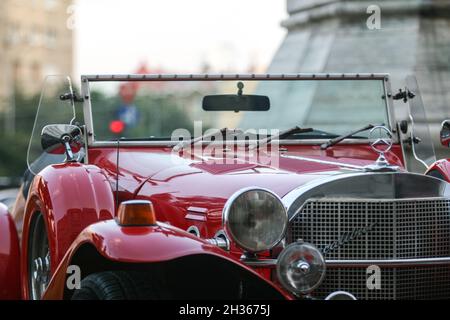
{"points": [[78, 204], [9, 257], [174, 192]]}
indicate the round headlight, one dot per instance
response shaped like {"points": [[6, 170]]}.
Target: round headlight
{"points": [[255, 219], [301, 267]]}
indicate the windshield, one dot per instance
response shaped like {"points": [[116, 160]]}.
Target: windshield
{"points": [[153, 110]]}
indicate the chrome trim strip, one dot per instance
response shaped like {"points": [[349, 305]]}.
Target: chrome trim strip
{"points": [[365, 200], [196, 217], [388, 263], [263, 263], [168, 144], [397, 263], [197, 210]]}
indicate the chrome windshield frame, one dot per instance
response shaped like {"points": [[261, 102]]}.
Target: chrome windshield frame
{"points": [[87, 107]]}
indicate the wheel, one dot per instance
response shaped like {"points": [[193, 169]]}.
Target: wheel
{"points": [[117, 285], [38, 259]]}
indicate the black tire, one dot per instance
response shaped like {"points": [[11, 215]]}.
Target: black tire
{"points": [[117, 285]]}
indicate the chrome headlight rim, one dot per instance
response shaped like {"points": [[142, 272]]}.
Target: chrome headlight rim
{"points": [[226, 214]]}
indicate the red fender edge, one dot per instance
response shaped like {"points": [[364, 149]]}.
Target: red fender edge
{"points": [[9, 257], [139, 245]]}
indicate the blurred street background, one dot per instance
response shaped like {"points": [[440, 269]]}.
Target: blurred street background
{"points": [[65, 37]]}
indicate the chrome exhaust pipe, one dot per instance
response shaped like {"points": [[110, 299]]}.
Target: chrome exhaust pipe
{"points": [[340, 295]]}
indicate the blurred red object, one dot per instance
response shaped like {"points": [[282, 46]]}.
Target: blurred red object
{"points": [[128, 91], [117, 126]]}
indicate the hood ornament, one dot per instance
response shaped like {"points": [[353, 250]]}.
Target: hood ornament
{"points": [[381, 146]]}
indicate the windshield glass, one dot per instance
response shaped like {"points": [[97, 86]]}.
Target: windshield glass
{"points": [[153, 110]]}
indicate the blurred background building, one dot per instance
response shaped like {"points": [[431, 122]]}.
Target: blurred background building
{"points": [[413, 38], [34, 41]]}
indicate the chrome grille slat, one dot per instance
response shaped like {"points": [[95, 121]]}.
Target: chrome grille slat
{"points": [[406, 229]]}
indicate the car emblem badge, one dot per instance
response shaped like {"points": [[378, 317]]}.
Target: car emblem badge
{"points": [[348, 237], [381, 146]]}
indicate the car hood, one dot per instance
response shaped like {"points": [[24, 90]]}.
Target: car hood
{"points": [[183, 181]]}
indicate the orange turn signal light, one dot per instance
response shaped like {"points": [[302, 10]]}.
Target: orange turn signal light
{"points": [[136, 213]]}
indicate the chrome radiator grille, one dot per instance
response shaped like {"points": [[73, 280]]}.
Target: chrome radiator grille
{"points": [[398, 229], [401, 229]]}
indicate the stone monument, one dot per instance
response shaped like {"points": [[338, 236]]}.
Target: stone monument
{"points": [[400, 37]]}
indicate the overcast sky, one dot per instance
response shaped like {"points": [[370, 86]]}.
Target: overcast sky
{"points": [[115, 36]]}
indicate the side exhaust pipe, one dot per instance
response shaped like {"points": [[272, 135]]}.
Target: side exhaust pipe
{"points": [[340, 295]]}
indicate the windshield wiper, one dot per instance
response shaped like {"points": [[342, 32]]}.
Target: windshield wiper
{"points": [[282, 135], [334, 141]]}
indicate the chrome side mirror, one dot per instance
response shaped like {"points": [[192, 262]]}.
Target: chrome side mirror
{"points": [[60, 139], [445, 133]]}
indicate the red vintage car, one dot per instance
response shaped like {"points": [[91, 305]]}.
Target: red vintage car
{"points": [[289, 186]]}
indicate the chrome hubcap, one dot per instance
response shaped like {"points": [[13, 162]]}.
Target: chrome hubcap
{"points": [[41, 269]]}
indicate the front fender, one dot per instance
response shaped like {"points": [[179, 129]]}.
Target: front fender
{"points": [[440, 169], [70, 196], [9, 257], [129, 246]]}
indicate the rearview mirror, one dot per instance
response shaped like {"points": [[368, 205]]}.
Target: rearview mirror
{"points": [[445, 133], [236, 103], [60, 139]]}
